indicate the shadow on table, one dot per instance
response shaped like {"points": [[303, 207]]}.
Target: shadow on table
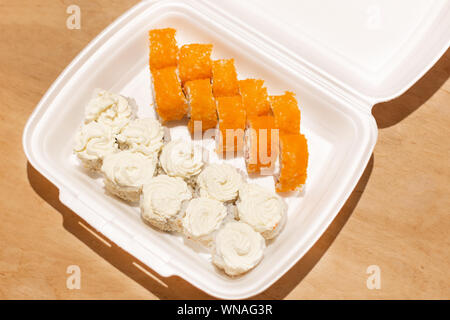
{"points": [[300, 270], [175, 287], [389, 113], [159, 286]]}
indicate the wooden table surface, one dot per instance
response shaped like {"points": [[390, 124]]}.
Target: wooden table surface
{"points": [[397, 218]]}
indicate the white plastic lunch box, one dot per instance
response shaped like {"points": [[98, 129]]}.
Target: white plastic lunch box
{"points": [[339, 57]]}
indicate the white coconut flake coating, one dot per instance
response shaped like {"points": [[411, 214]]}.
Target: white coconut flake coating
{"points": [[263, 210], [111, 109], [162, 201], [180, 158], [220, 182], [93, 142], [238, 248], [203, 217], [145, 136], [126, 172]]}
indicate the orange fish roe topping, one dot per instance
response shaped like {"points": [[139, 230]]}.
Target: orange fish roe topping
{"points": [[262, 145], [194, 62], [202, 104], [254, 97], [163, 48], [231, 113], [224, 77], [286, 112], [169, 98], [293, 162]]}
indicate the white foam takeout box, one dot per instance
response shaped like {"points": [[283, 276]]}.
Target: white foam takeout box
{"points": [[339, 57]]}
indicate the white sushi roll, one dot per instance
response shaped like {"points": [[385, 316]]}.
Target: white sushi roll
{"points": [[110, 109], [93, 142], [263, 210], [180, 158], [238, 248], [145, 136], [203, 217], [126, 172], [163, 202], [220, 182]]}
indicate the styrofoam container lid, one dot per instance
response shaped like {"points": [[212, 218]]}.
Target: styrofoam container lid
{"points": [[375, 48]]}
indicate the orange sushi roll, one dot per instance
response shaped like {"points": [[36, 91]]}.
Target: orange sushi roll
{"points": [[194, 62], [254, 97], [163, 48], [202, 104], [286, 112], [261, 144], [293, 162], [169, 98], [231, 124], [224, 78]]}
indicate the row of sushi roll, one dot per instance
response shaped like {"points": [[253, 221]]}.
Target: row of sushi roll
{"points": [[177, 191], [188, 83]]}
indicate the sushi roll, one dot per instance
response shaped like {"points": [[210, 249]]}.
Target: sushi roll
{"points": [[263, 210], [220, 182], [93, 142], [163, 48], [203, 217], [224, 78], [237, 248], [254, 97], [293, 163], [181, 158], [163, 202], [110, 109], [194, 62], [125, 173], [169, 98], [261, 144], [232, 117], [145, 136], [286, 112], [202, 106]]}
